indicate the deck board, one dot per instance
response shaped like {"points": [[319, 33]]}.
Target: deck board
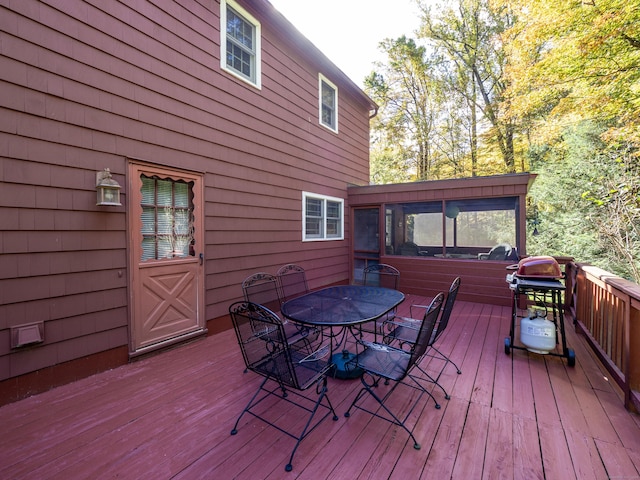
{"points": [[527, 459], [499, 458], [521, 416], [473, 443]]}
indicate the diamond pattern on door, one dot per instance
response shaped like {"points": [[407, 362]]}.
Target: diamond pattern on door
{"points": [[169, 302]]}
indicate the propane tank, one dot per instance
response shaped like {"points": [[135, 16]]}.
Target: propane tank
{"points": [[537, 333]]}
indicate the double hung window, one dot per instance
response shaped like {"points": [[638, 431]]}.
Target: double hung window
{"points": [[328, 103], [240, 43], [323, 217]]}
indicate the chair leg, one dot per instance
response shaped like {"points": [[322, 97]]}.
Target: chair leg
{"points": [[436, 380], [322, 395], [321, 390], [430, 379], [394, 419], [249, 406], [447, 359], [360, 394]]}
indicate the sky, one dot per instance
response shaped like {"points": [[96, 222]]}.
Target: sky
{"points": [[348, 31]]}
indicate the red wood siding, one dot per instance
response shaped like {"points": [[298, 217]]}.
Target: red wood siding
{"points": [[89, 84], [462, 188], [481, 281]]}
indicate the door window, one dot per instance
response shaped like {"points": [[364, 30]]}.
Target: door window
{"points": [[167, 218]]}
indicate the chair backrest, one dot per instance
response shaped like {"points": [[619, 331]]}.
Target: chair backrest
{"points": [[500, 252], [382, 275], [262, 288], [263, 342], [408, 248], [423, 341], [293, 281], [448, 306]]}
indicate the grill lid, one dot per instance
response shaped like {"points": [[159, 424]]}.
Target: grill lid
{"points": [[540, 267]]}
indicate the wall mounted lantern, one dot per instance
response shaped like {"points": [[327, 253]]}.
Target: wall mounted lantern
{"points": [[107, 188]]}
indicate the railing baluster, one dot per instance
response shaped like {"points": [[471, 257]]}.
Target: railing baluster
{"points": [[607, 311]]}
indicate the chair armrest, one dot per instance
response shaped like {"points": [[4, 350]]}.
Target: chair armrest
{"points": [[318, 354], [417, 306], [411, 323], [382, 347]]}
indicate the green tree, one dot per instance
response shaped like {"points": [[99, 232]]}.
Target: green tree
{"points": [[468, 33], [574, 72], [586, 201], [406, 96], [576, 57]]}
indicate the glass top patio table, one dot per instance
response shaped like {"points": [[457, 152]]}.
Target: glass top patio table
{"points": [[342, 305]]}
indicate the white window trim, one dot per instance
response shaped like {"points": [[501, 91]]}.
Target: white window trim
{"points": [[223, 42], [322, 78], [324, 199]]}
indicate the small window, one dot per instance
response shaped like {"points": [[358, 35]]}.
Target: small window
{"points": [[239, 42], [328, 104], [323, 217], [167, 218]]}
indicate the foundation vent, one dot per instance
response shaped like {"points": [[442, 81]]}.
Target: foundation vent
{"points": [[23, 335]]}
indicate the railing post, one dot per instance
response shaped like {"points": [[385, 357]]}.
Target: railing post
{"points": [[570, 300], [632, 402]]}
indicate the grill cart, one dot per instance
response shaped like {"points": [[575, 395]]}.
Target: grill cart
{"points": [[537, 290]]}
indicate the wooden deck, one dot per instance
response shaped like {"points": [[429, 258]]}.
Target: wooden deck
{"points": [[521, 416]]}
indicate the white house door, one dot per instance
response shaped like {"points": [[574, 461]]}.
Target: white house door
{"points": [[166, 256]]}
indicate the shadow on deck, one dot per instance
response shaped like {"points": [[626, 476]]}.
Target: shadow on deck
{"points": [[169, 416]]}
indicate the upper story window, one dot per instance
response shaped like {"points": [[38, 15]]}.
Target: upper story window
{"points": [[239, 42], [323, 217], [328, 103]]}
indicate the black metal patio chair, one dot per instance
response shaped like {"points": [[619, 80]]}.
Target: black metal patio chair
{"points": [[380, 275], [292, 280], [381, 361], [262, 288], [404, 330], [287, 372], [502, 251]]}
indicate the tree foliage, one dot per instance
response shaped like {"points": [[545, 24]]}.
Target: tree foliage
{"points": [[573, 57], [574, 75], [585, 202], [468, 33], [406, 95], [441, 94], [494, 86]]}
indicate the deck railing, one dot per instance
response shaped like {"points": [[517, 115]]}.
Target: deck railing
{"points": [[606, 309]]}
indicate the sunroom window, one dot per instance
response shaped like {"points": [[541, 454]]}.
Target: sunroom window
{"points": [[467, 229], [240, 43], [323, 217]]}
